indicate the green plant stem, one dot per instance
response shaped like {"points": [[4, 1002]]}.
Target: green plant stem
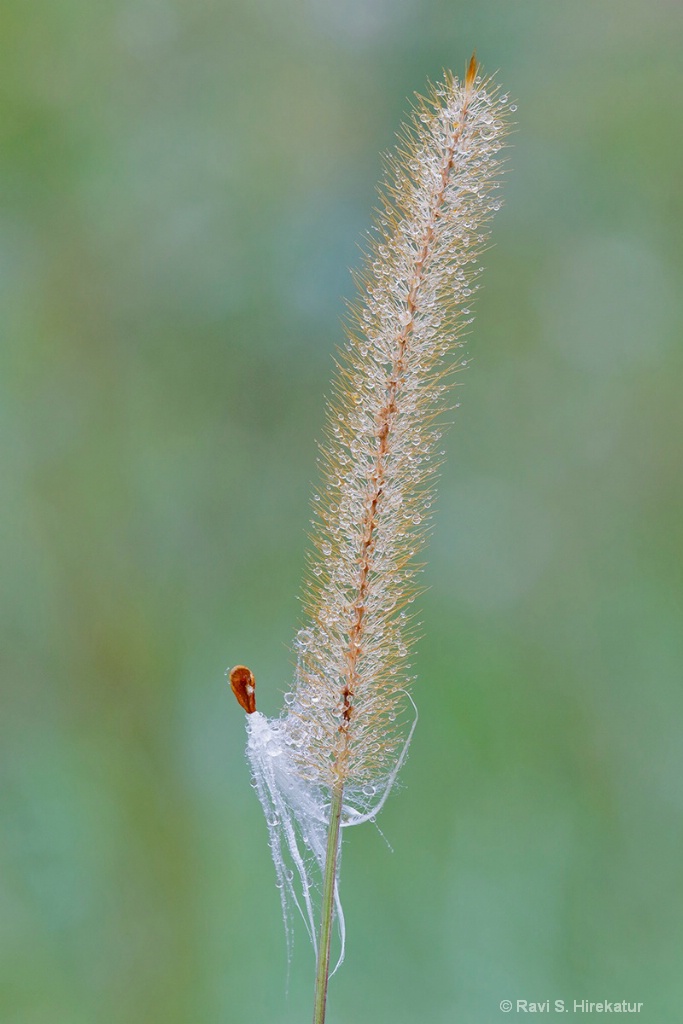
{"points": [[327, 912]]}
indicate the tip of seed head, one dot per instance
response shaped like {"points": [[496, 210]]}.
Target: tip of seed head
{"points": [[472, 69]]}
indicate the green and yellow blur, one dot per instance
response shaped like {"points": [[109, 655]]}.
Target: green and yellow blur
{"points": [[183, 187]]}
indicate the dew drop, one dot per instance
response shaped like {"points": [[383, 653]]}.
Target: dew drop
{"points": [[303, 639]]}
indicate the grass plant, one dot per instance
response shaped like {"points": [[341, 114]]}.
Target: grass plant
{"points": [[331, 758]]}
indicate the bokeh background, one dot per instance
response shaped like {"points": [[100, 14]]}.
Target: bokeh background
{"points": [[183, 189]]}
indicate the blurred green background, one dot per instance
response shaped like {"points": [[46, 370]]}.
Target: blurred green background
{"points": [[183, 189]]}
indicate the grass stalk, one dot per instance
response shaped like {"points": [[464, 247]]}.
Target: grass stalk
{"points": [[327, 911]]}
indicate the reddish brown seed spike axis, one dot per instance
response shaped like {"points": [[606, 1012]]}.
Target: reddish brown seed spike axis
{"points": [[244, 687]]}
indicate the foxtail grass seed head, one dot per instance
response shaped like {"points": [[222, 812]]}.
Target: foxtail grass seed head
{"points": [[348, 719]]}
